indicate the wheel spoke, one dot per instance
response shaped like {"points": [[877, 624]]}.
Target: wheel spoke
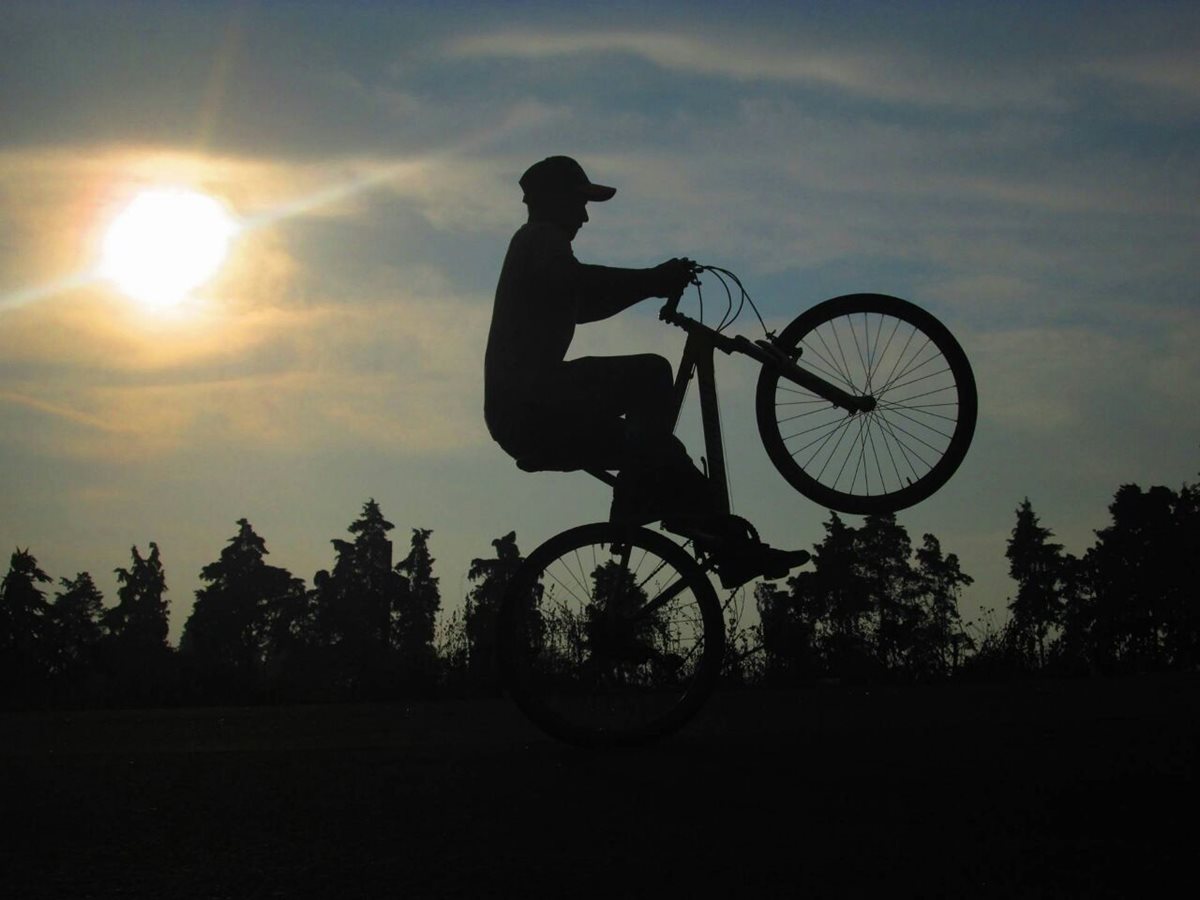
{"points": [[830, 359], [911, 367], [835, 426], [903, 448], [831, 373], [899, 411], [841, 420], [925, 377], [893, 428]]}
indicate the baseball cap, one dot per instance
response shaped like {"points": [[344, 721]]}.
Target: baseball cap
{"points": [[562, 175]]}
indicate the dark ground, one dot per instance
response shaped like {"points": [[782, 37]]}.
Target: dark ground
{"points": [[1072, 788]]}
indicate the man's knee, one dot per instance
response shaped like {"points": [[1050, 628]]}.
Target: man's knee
{"points": [[653, 371]]}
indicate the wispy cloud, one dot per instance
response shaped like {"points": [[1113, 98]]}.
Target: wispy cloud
{"points": [[880, 71], [399, 375]]}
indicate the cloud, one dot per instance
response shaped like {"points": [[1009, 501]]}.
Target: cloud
{"points": [[400, 376], [1089, 390], [878, 70], [1175, 74]]}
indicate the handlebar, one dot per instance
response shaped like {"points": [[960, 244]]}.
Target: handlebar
{"points": [[669, 312], [766, 350], [725, 278]]}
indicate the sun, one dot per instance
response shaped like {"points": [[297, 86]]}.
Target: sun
{"points": [[166, 243]]}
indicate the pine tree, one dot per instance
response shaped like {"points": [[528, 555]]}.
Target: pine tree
{"points": [[415, 607], [490, 576], [24, 626], [139, 620], [226, 636], [135, 645], [353, 606], [76, 614], [944, 643], [788, 628], [1037, 565], [838, 597], [1144, 605], [883, 550]]}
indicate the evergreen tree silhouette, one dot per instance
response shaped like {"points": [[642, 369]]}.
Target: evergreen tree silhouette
{"points": [[75, 616], [841, 603], [354, 606], [490, 577], [226, 637], [889, 585], [1038, 567], [24, 626], [1071, 651], [943, 644], [788, 627], [140, 617], [415, 606], [135, 647], [1144, 605]]}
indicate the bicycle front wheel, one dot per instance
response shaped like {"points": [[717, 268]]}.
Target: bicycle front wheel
{"points": [[902, 450], [610, 635]]}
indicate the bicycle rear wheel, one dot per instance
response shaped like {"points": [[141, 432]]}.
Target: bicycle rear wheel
{"points": [[898, 453], [610, 635]]}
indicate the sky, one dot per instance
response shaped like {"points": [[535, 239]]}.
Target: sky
{"points": [[1028, 172]]}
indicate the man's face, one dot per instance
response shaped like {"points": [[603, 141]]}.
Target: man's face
{"points": [[568, 212]]}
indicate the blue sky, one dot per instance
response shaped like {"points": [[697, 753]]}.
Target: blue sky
{"points": [[1028, 172]]}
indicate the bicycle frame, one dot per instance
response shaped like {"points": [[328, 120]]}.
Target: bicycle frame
{"points": [[698, 356]]}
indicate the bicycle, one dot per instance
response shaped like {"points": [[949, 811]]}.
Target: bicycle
{"points": [[613, 634]]}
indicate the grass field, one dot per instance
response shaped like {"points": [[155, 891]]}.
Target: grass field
{"points": [[1072, 788]]}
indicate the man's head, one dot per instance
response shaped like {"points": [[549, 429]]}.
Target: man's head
{"points": [[557, 190]]}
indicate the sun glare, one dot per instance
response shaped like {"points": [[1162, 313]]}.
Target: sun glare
{"points": [[165, 244]]}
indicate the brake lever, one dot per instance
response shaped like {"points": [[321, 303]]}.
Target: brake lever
{"points": [[768, 344]]}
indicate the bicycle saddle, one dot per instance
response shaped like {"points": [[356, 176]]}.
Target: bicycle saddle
{"points": [[534, 463], [550, 463]]}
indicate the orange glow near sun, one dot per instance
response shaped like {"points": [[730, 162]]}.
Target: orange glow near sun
{"points": [[166, 243]]}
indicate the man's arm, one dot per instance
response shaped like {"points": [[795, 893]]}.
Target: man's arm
{"points": [[606, 291]]}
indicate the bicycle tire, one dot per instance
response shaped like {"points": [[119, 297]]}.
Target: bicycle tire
{"points": [[583, 670], [900, 452]]}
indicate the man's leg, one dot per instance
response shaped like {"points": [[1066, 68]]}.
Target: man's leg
{"points": [[616, 412], [657, 475], [658, 479], [638, 388]]}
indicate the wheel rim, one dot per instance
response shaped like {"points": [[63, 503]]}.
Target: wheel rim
{"points": [[909, 443], [610, 641]]}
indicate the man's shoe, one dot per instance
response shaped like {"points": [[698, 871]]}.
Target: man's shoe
{"points": [[737, 565], [733, 543]]}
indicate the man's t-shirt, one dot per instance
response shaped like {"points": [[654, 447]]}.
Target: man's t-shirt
{"points": [[533, 320], [543, 292]]}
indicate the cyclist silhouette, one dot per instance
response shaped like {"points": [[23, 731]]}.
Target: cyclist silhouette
{"points": [[612, 413]]}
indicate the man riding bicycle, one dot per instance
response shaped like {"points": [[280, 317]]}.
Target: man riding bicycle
{"points": [[549, 412]]}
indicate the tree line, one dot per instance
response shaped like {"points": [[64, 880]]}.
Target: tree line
{"points": [[1128, 604], [871, 607]]}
